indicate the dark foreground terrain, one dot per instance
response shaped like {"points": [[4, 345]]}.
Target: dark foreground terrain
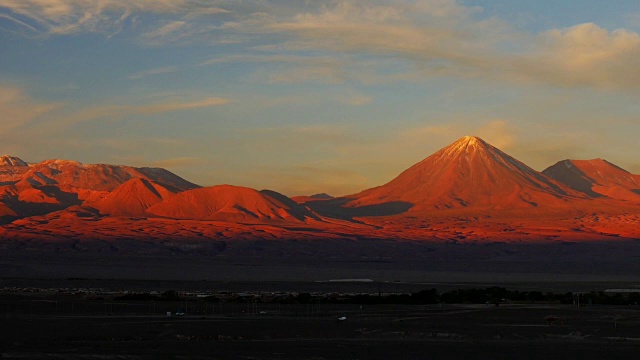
{"points": [[380, 260], [32, 328], [65, 301]]}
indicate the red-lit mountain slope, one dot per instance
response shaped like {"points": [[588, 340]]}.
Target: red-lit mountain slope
{"points": [[52, 185], [301, 199], [232, 204], [468, 191], [11, 169], [72, 176], [597, 177], [469, 174], [8, 160], [132, 198]]}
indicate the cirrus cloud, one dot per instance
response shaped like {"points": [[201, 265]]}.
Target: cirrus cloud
{"points": [[157, 71], [18, 108], [588, 55], [456, 43], [438, 38], [118, 111], [73, 16]]}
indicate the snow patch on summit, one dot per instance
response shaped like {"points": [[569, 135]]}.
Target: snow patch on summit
{"points": [[468, 173], [8, 160]]}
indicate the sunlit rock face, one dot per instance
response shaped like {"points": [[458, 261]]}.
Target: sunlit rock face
{"points": [[468, 191], [597, 178], [470, 174]]}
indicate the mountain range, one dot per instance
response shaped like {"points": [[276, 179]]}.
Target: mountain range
{"points": [[468, 191]]}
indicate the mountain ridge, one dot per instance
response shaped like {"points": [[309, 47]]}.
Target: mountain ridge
{"points": [[597, 177], [228, 203], [468, 173], [467, 191], [132, 198]]}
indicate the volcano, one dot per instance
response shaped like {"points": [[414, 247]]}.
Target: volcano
{"points": [[597, 178], [467, 191], [469, 174]]}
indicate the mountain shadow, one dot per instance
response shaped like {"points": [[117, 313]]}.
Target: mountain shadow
{"points": [[469, 174], [62, 200], [334, 208], [298, 211], [564, 172]]}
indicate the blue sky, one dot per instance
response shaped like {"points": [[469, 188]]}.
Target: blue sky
{"points": [[316, 96]]}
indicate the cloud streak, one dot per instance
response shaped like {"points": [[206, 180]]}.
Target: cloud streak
{"points": [[454, 43], [586, 55], [327, 41], [4, 16], [440, 39], [18, 108], [73, 16], [151, 72], [119, 111], [175, 162]]}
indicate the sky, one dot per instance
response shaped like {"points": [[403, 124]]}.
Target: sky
{"points": [[304, 97]]}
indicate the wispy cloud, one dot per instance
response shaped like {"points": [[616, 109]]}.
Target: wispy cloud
{"points": [[151, 72], [18, 108], [430, 132], [307, 179], [148, 159], [441, 35], [119, 111], [358, 100], [499, 133], [145, 161], [175, 162], [446, 39], [174, 106], [125, 144], [269, 58], [331, 41], [586, 55], [328, 135], [24, 24], [289, 68], [163, 32], [109, 16]]}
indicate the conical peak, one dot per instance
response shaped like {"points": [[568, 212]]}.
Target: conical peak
{"points": [[471, 138], [470, 141], [466, 145], [468, 173]]}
